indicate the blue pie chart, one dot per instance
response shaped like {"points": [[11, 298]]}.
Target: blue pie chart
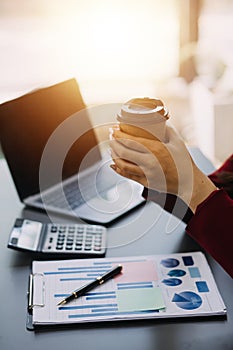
{"points": [[170, 262], [187, 300], [172, 281], [176, 273]]}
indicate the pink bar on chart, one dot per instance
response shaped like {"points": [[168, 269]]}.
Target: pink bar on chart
{"points": [[142, 271]]}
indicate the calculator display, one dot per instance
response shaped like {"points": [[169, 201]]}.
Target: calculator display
{"points": [[27, 235]]}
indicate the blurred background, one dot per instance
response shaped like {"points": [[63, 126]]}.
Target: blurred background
{"points": [[177, 50]]}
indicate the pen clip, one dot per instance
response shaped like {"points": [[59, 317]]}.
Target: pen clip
{"points": [[32, 290]]}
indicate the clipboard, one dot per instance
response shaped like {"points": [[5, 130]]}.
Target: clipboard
{"points": [[149, 287], [30, 304]]}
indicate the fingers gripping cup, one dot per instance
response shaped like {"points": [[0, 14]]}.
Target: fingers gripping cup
{"points": [[144, 117]]}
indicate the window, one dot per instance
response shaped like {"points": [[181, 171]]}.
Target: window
{"points": [[114, 48], [215, 55]]}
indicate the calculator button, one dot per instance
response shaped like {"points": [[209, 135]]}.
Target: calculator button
{"points": [[18, 222], [97, 249], [14, 240], [98, 242], [75, 238]]}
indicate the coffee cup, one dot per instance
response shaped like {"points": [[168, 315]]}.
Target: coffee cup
{"points": [[144, 117]]}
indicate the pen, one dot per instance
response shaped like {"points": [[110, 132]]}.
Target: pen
{"points": [[84, 289]]}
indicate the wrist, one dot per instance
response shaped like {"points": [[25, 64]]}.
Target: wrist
{"points": [[202, 188]]}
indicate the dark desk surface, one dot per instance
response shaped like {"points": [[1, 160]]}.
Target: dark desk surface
{"points": [[147, 230]]}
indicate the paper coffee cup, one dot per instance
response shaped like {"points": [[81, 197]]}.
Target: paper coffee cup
{"points": [[144, 117]]}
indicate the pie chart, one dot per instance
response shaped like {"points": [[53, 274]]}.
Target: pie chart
{"points": [[176, 273], [172, 281], [187, 300], [170, 262]]}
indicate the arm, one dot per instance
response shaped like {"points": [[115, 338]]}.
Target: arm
{"points": [[223, 177], [172, 180], [212, 223], [211, 227]]}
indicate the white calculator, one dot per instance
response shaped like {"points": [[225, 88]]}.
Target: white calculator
{"points": [[72, 240]]}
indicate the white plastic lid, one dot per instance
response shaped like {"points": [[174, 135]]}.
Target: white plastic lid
{"points": [[150, 110]]}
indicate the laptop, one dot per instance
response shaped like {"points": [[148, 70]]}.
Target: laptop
{"points": [[54, 158]]}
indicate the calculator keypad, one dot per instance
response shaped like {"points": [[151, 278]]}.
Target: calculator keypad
{"points": [[77, 239]]}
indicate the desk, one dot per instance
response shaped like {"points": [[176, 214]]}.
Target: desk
{"points": [[134, 234]]}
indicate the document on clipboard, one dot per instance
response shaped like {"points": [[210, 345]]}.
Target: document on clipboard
{"points": [[148, 287]]}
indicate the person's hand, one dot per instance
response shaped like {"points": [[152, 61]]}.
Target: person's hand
{"points": [[165, 167]]}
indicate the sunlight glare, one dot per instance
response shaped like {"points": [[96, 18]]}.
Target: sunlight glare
{"points": [[117, 42]]}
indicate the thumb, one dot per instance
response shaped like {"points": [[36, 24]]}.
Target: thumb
{"points": [[173, 137]]}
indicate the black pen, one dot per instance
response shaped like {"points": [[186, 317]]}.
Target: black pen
{"points": [[99, 280]]}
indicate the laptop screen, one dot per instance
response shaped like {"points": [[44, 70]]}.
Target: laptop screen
{"points": [[26, 124]]}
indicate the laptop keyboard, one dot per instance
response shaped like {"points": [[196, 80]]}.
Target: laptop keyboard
{"points": [[72, 195]]}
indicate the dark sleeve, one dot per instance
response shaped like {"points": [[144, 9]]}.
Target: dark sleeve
{"points": [[212, 228], [170, 203], [223, 177]]}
